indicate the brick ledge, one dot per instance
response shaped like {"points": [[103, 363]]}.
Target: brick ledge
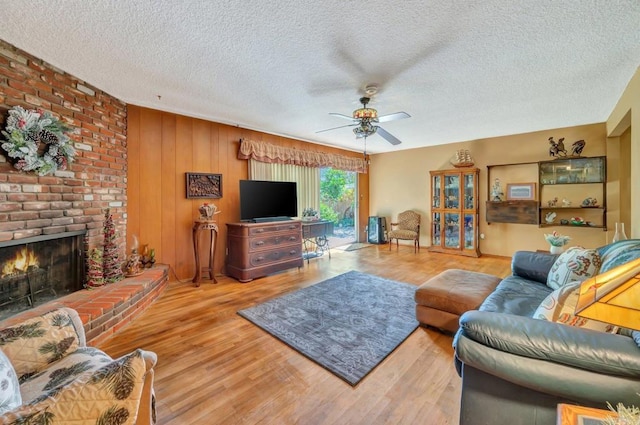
{"points": [[106, 310]]}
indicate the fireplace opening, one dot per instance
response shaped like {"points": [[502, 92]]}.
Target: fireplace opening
{"points": [[34, 271]]}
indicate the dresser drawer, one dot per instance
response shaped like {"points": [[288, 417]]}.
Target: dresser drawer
{"points": [[273, 228], [286, 253], [274, 241]]}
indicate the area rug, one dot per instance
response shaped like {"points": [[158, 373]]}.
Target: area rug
{"points": [[357, 245], [348, 324]]}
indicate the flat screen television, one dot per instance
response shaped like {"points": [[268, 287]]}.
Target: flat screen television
{"points": [[267, 200]]}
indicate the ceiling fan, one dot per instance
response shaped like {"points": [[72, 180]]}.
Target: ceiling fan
{"points": [[364, 121]]}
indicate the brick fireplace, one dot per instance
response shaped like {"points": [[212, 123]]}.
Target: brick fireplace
{"points": [[34, 271], [73, 200]]}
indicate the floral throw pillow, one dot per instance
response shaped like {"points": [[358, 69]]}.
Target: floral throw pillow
{"points": [[560, 307], [575, 264], [549, 308], [9, 387]]}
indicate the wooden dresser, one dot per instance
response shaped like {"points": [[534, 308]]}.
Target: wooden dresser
{"points": [[259, 249]]}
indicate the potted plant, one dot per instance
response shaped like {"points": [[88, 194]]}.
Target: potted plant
{"points": [[556, 241], [309, 214]]}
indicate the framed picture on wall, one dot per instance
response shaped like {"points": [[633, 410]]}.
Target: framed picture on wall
{"points": [[204, 185], [521, 192]]}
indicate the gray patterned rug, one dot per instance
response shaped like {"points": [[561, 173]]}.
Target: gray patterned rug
{"points": [[347, 324]]}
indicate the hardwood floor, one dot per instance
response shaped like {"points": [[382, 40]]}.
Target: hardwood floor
{"points": [[214, 367]]}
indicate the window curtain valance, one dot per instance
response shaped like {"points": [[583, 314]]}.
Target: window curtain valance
{"points": [[273, 154]]}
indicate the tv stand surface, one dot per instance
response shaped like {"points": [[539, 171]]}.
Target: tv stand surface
{"points": [[270, 219], [259, 249]]}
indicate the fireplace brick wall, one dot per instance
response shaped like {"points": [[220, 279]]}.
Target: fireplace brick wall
{"points": [[74, 199]]}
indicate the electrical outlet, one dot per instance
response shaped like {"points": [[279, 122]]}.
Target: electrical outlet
{"points": [[482, 236]]}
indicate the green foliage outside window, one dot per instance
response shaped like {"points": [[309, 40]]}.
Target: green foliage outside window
{"points": [[337, 196]]}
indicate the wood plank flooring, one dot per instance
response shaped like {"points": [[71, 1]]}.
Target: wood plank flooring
{"points": [[214, 367]]}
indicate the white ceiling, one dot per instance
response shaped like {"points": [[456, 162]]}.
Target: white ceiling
{"points": [[462, 69]]}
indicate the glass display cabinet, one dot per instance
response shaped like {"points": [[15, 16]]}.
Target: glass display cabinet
{"points": [[573, 192], [454, 211]]}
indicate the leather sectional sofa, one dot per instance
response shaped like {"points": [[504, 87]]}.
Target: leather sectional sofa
{"points": [[515, 369]]}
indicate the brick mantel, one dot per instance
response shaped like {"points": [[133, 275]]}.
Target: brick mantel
{"points": [[74, 199]]}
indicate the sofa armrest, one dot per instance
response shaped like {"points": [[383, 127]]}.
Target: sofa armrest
{"points": [[532, 265], [568, 362]]}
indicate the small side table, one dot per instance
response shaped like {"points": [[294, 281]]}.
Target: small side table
{"points": [[315, 232], [198, 227]]}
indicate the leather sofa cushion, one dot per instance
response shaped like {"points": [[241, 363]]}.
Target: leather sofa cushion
{"points": [[516, 295], [532, 265]]}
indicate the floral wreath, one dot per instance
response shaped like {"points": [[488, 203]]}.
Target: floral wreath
{"points": [[26, 129]]}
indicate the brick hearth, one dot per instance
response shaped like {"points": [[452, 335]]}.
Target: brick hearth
{"points": [[108, 309]]}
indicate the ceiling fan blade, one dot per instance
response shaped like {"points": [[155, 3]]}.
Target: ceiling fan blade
{"points": [[393, 117], [335, 114], [335, 128], [388, 136]]}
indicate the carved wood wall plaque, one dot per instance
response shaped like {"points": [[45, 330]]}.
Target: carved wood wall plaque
{"points": [[204, 185]]}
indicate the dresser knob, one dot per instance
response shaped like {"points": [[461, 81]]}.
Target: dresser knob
{"points": [[260, 243]]}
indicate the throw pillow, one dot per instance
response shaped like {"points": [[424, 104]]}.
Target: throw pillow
{"points": [[9, 387], [40, 341], [108, 395], [618, 253], [575, 264], [549, 308]]}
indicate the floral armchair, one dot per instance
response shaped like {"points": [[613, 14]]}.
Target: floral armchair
{"points": [[49, 375], [408, 228]]}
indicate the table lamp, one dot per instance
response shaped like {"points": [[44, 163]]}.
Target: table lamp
{"points": [[613, 296]]}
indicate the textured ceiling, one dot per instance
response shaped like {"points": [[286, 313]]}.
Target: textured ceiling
{"points": [[462, 69]]}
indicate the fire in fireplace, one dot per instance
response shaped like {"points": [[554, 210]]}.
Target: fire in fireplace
{"points": [[24, 259], [36, 270]]}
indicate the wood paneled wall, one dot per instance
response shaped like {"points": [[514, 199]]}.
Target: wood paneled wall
{"points": [[161, 148]]}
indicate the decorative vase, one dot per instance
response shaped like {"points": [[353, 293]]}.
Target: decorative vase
{"points": [[619, 236], [555, 249], [207, 211]]}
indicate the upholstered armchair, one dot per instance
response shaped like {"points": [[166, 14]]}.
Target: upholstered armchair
{"points": [[407, 228]]}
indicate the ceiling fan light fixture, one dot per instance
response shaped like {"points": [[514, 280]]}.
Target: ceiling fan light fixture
{"points": [[365, 130], [365, 113]]}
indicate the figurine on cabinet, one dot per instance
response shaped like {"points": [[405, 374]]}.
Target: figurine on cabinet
{"points": [[553, 202], [557, 149], [550, 217], [576, 147], [566, 203], [496, 191], [589, 203]]}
